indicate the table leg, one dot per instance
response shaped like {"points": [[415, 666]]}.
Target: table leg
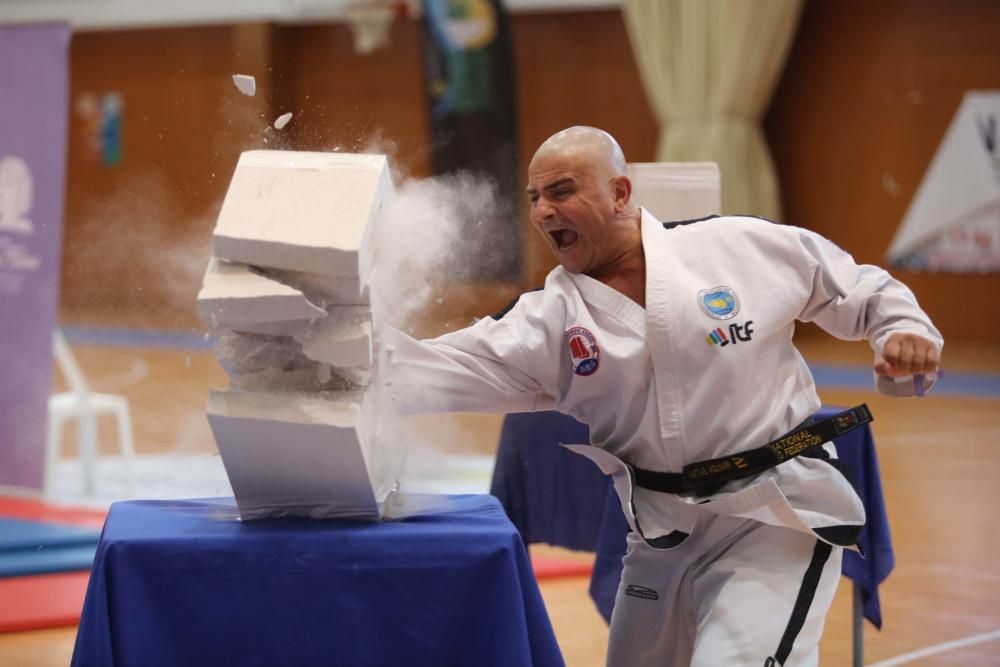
{"points": [[858, 620]]}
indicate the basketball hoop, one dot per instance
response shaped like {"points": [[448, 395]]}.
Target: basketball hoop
{"points": [[370, 22]]}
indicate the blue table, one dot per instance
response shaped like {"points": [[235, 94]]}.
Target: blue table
{"points": [[186, 583], [557, 497]]}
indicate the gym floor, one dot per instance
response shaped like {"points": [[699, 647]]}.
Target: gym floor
{"points": [[940, 465]]}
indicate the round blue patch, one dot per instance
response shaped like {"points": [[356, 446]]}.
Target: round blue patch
{"points": [[719, 303]]}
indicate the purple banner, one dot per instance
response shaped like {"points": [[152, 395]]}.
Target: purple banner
{"points": [[34, 88]]}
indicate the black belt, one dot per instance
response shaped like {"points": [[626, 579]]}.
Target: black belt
{"points": [[713, 473]]}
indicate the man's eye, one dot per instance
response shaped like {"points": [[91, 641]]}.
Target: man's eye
{"points": [[562, 194]]}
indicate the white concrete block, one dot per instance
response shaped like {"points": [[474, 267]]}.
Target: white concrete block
{"points": [[291, 455], [307, 212], [300, 431], [342, 339], [234, 297], [323, 290], [677, 190]]}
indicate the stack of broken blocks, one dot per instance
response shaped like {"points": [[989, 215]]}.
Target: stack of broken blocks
{"points": [[287, 294]]}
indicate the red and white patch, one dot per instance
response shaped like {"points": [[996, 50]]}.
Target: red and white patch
{"points": [[583, 351]]}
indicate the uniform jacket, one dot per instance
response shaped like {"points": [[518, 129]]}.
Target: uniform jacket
{"points": [[707, 369]]}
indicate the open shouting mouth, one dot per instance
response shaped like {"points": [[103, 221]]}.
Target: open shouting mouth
{"points": [[563, 238]]}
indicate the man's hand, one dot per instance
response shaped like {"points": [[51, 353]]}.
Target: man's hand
{"points": [[907, 354]]}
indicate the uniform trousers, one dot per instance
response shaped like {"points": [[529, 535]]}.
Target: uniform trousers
{"points": [[733, 593]]}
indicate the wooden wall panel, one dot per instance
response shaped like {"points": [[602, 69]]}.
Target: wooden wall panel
{"points": [[376, 103], [576, 69], [351, 102], [868, 93], [137, 233], [866, 96]]}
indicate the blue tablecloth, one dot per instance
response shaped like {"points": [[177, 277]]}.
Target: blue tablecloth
{"points": [[186, 583], [557, 497]]}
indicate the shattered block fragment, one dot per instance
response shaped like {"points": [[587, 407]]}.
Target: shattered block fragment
{"points": [[293, 455], [245, 356], [343, 338], [300, 430], [292, 328], [246, 84], [234, 297], [281, 121], [245, 353], [307, 212], [358, 377], [316, 380], [277, 363]]}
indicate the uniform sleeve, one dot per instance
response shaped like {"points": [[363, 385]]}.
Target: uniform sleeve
{"points": [[860, 301], [483, 368]]}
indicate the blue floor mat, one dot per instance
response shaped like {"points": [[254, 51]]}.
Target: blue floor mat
{"points": [[35, 547], [20, 534], [46, 561]]}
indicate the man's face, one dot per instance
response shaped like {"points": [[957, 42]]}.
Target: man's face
{"points": [[573, 207]]}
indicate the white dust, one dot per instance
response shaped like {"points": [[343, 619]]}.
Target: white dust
{"points": [[416, 238]]}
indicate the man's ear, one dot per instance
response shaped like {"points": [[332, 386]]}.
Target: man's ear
{"points": [[621, 188]]}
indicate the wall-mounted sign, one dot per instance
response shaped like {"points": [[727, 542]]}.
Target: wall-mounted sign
{"points": [[101, 127], [953, 223], [33, 86]]}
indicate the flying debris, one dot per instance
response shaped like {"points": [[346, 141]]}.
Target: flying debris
{"points": [[246, 83], [282, 120]]}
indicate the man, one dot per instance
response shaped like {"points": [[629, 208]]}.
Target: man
{"points": [[673, 342]]}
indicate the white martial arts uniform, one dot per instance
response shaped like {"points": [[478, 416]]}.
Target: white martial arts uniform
{"points": [[706, 369]]}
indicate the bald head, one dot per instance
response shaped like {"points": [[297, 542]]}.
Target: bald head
{"points": [[581, 204], [591, 146]]}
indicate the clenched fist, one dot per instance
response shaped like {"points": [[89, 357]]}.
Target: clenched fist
{"points": [[907, 354]]}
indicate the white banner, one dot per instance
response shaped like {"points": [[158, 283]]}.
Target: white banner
{"points": [[34, 87], [953, 223]]}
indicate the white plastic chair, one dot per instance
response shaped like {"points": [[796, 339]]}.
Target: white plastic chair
{"points": [[85, 406]]}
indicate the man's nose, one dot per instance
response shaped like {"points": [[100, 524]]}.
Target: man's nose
{"points": [[542, 210]]}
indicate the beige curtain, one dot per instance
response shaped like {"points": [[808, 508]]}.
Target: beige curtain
{"points": [[709, 68]]}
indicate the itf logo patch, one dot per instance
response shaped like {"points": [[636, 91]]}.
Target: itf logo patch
{"points": [[583, 350], [719, 303], [737, 333]]}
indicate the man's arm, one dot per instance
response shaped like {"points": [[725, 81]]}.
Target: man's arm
{"points": [[855, 301], [483, 368]]}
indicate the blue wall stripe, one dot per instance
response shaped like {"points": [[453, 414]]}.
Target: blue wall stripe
{"points": [[951, 383], [177, 340]]}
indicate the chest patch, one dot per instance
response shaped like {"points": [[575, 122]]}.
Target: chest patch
{"points": [[583, 350], [737, 333], [719, 303]]}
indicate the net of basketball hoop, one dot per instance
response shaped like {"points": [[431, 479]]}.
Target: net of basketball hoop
{"points": [[371, 21]]}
